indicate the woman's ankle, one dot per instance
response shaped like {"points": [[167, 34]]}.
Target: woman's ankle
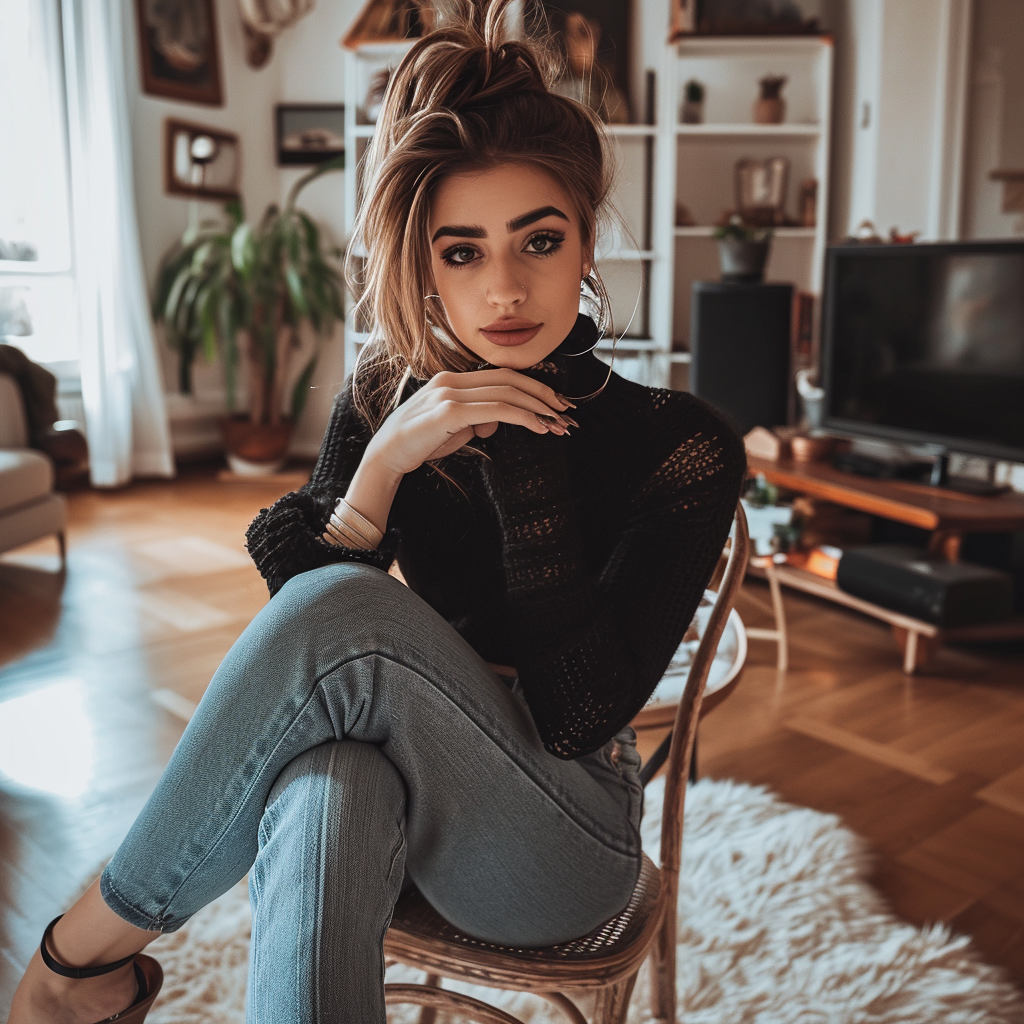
{"points": [[43, 995], [90, 934]]}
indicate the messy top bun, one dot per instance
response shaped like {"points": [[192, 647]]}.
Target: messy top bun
{"points": [[467, 96]]}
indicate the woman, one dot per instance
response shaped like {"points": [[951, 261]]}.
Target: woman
{"points": [[468, 733]]}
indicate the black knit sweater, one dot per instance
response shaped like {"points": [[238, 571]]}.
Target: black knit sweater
{"points": [[579, 559]]}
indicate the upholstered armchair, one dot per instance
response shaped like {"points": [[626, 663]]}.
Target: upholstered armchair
{"points": [[29, 506]]}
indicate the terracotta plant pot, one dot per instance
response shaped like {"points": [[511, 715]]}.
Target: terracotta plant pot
{"points": [[255, 448], [770, 111], [770, 107], [692, 112]]}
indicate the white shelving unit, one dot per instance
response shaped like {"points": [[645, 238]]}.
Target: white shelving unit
{"points": [[649, 267], [705, 155]]}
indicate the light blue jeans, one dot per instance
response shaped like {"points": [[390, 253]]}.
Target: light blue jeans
{"points": [[351, 744]]}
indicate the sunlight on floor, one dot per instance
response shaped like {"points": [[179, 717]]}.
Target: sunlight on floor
{"points": [[46, 740]]}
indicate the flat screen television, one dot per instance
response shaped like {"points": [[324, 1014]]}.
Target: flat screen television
{"points": [[924, 344]]}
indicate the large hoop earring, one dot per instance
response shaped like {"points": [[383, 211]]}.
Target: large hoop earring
{"points": [[587, 333], [590, 334]]}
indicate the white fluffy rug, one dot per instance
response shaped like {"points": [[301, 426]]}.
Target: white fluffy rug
{"points": [[777, 926]]}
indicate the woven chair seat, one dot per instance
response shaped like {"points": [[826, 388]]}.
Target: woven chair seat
{"points": [[416, 924]]}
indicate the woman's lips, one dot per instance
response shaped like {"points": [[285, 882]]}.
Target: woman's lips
{"points": [[519, 336]]}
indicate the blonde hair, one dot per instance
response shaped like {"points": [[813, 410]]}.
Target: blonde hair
{"points": [[467, 96]]}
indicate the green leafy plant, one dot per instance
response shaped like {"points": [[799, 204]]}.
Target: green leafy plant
{"points": [[737, 229], [244, 292], [760, 493]]}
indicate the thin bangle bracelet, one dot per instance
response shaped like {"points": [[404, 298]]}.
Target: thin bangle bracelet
{"points": [[355, 517], [346, 536], [346, 525], [339, 531]]}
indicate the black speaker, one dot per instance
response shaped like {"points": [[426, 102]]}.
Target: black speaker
{"points": [[907, 579], [740, 350]]}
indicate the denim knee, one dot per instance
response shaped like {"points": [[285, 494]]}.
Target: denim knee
{"points": [[359, 795], [368, 602]]}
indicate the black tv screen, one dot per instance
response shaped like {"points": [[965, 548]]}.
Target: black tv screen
{"points": [[925, 344]]}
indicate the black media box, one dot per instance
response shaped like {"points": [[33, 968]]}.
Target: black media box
{"points": [[907, 579]]}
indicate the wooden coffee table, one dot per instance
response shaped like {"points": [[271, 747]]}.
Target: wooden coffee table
{"points": [[947, 514]]}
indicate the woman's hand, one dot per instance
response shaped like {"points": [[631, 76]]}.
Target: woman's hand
{"points": [[454, 407]]}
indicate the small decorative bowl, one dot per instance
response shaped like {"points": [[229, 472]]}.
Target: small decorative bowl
{"points": [[812, 449]]}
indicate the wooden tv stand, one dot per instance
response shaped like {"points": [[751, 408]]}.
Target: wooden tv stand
{"points": [[947, 514]]}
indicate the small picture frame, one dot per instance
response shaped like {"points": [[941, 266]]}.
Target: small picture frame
{"points": [[179, 52], [595, 39], [309, 133], [201, 162], [739, 17]]}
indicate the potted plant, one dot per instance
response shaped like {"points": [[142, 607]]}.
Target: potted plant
{"points": [[770, 107], [692, 110], [247, 292], [742, 249]]}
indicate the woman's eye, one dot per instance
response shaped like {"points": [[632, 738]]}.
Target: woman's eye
{"points": [[544, 245], [459, 255]]}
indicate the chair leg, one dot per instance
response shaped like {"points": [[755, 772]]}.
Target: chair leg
{"points": [[565, 1004], [663, 972], [612, 1002], [780, 617], [456, 1004], [62, 545], [428, 1014]]}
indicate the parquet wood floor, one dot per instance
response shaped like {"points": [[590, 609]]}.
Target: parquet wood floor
{"points": [[98, 671]]}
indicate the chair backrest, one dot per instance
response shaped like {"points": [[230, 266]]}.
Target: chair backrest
{"points": [[688, 712], [13, 422]]}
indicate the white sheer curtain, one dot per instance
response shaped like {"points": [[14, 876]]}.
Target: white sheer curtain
{"points": [[126, 419]]}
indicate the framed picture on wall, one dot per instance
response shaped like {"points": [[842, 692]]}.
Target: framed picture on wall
{"points": [[200, 162], [309, 133], [178, 46], [595, 37], [742, 17]]}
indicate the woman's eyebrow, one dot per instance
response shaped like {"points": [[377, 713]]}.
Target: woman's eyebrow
{"points": [[460, 231], [529, 218], [475, 231]]}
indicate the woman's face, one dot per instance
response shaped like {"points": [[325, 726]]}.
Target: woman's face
{"points": [[507, 260]]}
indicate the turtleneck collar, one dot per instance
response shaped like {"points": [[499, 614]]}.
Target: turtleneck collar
{"points": [[572, 369]]}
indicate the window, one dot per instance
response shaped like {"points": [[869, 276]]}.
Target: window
{"points": [[37, 297]]}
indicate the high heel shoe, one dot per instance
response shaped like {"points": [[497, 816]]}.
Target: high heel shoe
{"points": [[148, 973]]}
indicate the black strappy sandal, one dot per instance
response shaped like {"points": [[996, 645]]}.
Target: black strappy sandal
{"points": [[148, 974]]}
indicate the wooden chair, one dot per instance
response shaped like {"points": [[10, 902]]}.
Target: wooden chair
{"points": [[764, 565], [608, 958]]}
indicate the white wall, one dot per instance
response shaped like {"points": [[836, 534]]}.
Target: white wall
{"points": [[890, 69], [995, 132]]}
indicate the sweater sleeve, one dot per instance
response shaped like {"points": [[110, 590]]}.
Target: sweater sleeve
{"points": [[590, 647], [286, 538]]}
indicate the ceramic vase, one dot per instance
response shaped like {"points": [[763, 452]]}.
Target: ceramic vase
{"points": [[770, 107]]}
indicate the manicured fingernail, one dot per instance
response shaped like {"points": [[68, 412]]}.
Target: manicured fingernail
{"points": [[569, 420], [549, 420], [565, 401], [552, 423]]}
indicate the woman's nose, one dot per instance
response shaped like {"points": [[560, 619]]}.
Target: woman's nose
{"points": [[504, 287]]}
